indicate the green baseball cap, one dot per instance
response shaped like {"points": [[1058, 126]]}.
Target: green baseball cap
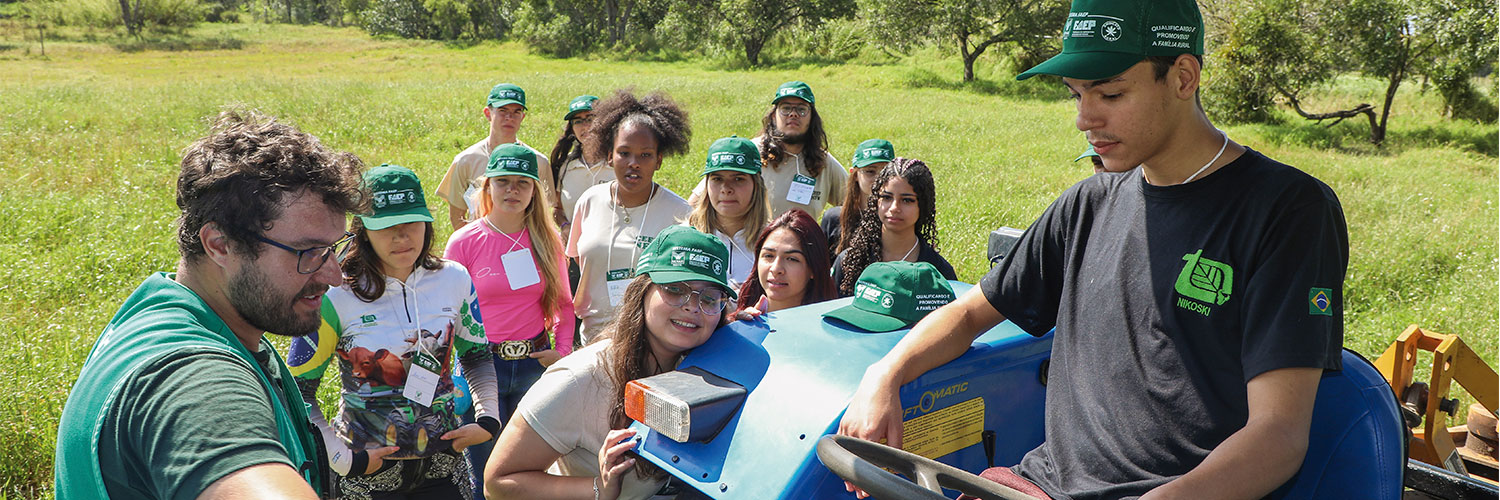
{"points": [[793, 88], [1086, 153], [507, 93], [1103, 38], [874, 151], [512, 159], [580, 104], [732, 153], [396, 195], [894, 295], [681, 253]]}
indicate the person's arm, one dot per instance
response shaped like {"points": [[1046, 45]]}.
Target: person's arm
{"points": [[518, 468], [1264, 454], [472, 350], [272, 481], [456, 216], [875, 410], [307, 366]]}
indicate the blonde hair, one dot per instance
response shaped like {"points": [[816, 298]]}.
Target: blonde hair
{"points": [[545, 243], [704, 218]]}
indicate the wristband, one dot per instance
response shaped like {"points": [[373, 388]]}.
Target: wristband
{"points": [[490, 425], [359, 463], [595, 482]]}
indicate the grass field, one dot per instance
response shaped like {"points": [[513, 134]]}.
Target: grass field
{"points": [[89, 138]]}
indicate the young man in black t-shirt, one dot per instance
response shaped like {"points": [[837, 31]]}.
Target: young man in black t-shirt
{"points": [[1196, 305]]}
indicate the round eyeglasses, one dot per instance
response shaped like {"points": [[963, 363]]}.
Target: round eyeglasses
{"points": [[710, 300]]}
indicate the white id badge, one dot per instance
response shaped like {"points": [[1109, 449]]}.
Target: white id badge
{"points": [[421, 381], [471, 199], [617, 279], [520, 269], [801, 190]]}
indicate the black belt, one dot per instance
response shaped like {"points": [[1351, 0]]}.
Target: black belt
{"points": [[511, 350]]}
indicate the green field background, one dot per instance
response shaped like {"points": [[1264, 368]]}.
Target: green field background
{"points": [[90, 137]]}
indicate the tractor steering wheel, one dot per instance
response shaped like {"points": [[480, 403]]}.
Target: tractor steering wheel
{"points": [[859, 462]]}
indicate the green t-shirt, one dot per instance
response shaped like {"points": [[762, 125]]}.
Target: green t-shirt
{"points": [[170, 401], [199, 418]]}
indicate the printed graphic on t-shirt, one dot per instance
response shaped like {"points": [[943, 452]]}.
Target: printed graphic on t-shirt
{"points": [[1203, 280], [376, 367], [1320, 302]]}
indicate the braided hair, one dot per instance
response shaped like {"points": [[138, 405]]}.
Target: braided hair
{"points": [[865, 244]]}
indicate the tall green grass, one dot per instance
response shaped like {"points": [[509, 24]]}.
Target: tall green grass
{"points": [[90, 136]]}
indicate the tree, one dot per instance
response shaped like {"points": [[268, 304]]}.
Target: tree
{"points": [[751, 24], [1281, 48], [971, 26]]}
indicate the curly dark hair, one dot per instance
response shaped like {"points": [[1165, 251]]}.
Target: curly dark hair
{"points": [[238, 176], [864, 245], [814, 250], [361, 266], [657, 112], [773, 150]]}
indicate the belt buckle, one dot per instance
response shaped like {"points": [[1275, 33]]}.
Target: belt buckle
{"points": [[511, 350]]}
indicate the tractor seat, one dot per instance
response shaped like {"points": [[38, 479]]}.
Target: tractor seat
{"points": [[1357, 447]]}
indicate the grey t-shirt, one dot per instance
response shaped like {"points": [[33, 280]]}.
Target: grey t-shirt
{"points": [[1167, 300]]}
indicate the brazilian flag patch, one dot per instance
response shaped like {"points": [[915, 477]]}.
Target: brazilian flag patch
{"points": [[1320, 302]]}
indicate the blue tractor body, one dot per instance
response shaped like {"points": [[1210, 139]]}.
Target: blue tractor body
{"points": [[801, 371]]}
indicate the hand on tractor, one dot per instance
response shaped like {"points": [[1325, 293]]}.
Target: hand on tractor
{"points": [[466, 436], [377, 458], [752, 312], [547, 357], [613, 463], [874, 413]]}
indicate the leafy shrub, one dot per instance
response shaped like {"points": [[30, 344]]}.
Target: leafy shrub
{"points": [[403, 18]]}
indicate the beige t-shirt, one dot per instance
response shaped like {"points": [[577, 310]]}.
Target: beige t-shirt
{"points": [[606, 248], [578, 177], [827, 190], [461, 181], [569, 407]]}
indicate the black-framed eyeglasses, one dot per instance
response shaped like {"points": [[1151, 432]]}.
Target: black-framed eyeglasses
{"points": [[790, 111], [310, 260], [581, 121], [710, 300]]}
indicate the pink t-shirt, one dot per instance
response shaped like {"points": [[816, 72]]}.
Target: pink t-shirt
{"points": [[510, 314]]}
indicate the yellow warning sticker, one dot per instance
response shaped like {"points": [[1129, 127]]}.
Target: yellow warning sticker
{"points": [[944, 431]]}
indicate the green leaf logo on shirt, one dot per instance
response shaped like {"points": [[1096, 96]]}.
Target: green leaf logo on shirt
{"points": [[1204, 279]]}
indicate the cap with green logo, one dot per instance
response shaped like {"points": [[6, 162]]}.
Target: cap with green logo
{"points": [[894, 295], [512, 159], [681, 253], [732, 153], [1103, 38], [396, 196], [794, 88], [873, 151], [580, 104], [1087, 153], [507, 93]]}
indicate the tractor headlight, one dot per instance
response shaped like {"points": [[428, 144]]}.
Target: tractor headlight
{"points": [[685, 405]]}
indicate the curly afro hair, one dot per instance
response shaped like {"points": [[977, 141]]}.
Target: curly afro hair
{"points": [[657, 112]]}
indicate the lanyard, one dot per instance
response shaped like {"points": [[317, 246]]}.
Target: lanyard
{"points": [[609, 253], [514, 242]]}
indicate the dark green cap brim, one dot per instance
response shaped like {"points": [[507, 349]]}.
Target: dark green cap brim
{"points": [[869, 161], [418, 214], [1086, 154], [748, 170], [574, 113], [1084, 65], [508, 172], [669, 276], [503, 102], [865, 320]]}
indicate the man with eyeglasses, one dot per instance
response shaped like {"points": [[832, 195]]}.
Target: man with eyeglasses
{"points": [[182, 396], [799, 172], [504, 110]]}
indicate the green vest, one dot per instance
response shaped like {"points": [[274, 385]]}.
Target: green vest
{"points": [[163, 318]]}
